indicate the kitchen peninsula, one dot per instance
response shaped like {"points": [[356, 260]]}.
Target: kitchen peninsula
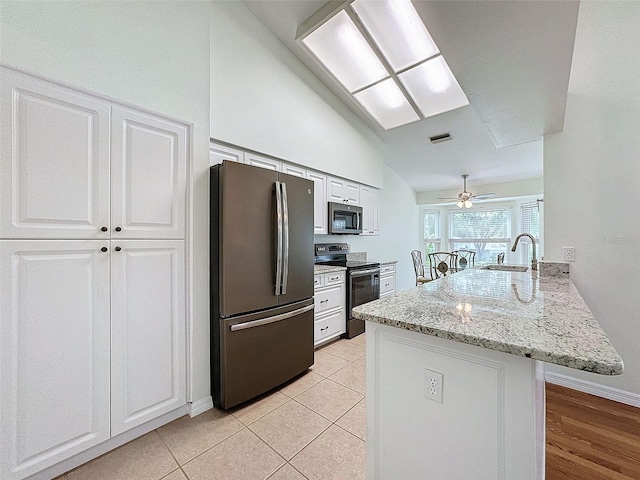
{"points": [[455, 376]]}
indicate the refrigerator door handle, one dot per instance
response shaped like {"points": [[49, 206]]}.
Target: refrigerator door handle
{"points": [[285, 250], [279, 240], [268, 320]]}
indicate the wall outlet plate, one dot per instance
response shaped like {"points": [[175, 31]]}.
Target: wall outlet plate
{"points": [[568, 254], [433, 382]]}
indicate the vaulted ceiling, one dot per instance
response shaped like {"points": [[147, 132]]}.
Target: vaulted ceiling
{"points": [[512, 59]]}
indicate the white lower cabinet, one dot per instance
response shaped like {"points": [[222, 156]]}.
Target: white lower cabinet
{"points": [[387, 279], [54, 351], [84, 357], [330, 306], [147, 331]]}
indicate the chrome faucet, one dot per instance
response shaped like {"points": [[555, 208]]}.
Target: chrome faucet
{"points": [[534, 260]]}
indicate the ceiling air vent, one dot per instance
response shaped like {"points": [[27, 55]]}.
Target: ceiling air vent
{"points": [[443, 137]]}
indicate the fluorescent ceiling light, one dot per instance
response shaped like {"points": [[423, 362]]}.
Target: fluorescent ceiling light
{"points": [[343, 50], [397, 29], [433, 87], [382, 54], [385, 102]]}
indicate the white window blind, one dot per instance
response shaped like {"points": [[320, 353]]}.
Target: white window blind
{"points": [[431, 233], [481, 225], [531, 219], [486, 232]]}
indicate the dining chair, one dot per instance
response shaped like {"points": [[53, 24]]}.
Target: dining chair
{"points": [[441, 264], [464, 259], [418, 267]]}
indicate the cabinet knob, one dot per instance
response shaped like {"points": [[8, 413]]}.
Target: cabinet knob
{"points": [[117, 249], [324, 301], [104, 229], [323, 329], [118, 229], [104, 249]]}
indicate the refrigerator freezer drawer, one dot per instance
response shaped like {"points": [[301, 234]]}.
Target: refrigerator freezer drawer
{"points": [[261, 353]]}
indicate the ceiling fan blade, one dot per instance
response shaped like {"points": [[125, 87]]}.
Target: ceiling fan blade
{"points": [[484, 195], [450, 198]]}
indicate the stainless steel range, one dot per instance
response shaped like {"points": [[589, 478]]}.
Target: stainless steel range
{"points": [[363, 280]]}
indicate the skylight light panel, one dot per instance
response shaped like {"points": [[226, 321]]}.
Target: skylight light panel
{"points": [[433, 87], [386, 103], [397, 30], [342, 49]]}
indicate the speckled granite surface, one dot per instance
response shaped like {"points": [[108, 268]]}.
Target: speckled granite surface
{"points": [[544, 319], [327, 269], [384, 262]]}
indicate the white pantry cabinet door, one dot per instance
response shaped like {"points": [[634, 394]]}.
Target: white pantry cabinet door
{"points": [[320, 206], [148, 327], [54, 160], [54, 351], [148, 176], [219, 153]]}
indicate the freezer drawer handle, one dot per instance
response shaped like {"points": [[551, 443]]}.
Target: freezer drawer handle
{"points": [[268, 320]]}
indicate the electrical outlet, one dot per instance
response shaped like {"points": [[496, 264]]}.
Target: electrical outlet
{"points": [[433, 382], [568, 254]]}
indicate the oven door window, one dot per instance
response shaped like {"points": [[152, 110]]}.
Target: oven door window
{"points": [[364, 288]]}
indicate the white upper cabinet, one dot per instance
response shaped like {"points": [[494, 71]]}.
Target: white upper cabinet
{"points": [[320, 209], [148, 367], [219, 153], [340, 190], [54, 351], [370, 201], [148, 176], [295, 170], [75, 167], [263, 162], [54, 161]]}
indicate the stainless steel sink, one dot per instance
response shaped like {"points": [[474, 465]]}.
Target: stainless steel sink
{"points": [[506, 268]]}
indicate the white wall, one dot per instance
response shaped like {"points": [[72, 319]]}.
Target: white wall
{"points": [[264, 99], [150, 54], [398, 226], [592, 177]]}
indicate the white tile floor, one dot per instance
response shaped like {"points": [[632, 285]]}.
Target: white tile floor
{"points": [[311, 428]]}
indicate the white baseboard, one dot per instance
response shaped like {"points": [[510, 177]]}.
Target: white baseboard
{"points": [[598, 390], [200, 406]]}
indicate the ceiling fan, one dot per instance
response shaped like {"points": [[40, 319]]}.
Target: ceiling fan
{"points": [[464, 197]]}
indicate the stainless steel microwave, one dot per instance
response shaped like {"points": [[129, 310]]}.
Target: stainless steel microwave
{"points": [[345, 219]]}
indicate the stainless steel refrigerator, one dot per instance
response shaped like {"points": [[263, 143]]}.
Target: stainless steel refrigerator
{"points": [[261, 280]]}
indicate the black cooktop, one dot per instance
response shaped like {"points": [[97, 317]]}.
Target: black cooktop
{"points": [[336, 254]]}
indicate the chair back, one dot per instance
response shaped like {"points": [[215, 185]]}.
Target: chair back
{"points": [[441, 264], [464, 259], [418, 267]]}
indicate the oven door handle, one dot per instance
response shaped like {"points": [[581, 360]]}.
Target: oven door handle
{"points": [[362, 273]]}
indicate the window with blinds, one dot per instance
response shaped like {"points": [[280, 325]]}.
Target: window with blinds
{"points": [[530, 224], [486, 232], [431, 232], [531, 219]]}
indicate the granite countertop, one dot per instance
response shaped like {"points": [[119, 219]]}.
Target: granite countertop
{"points": [[544, 318], [317, 269], [384, 262]]}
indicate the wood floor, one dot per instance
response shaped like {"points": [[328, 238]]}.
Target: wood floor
{"points": [[590, 438]]}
